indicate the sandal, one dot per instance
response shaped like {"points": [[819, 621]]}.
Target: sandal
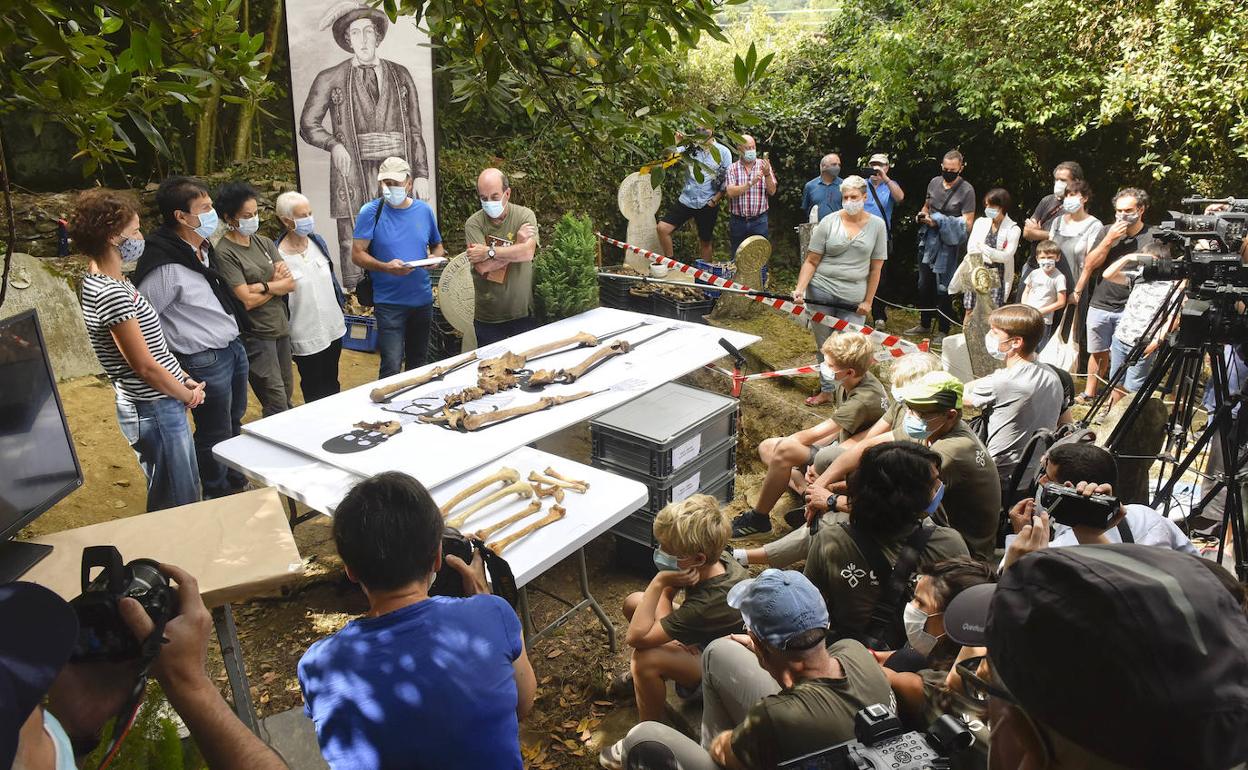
{"points": [[817, 400], [1083, 399]]}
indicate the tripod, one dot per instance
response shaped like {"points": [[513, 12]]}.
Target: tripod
{"points": [[1177, 371]]}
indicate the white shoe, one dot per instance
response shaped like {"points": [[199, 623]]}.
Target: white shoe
{"points": [[612, 757]]}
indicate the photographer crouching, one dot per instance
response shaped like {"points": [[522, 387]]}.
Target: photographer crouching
{"points": [[47, 651]]}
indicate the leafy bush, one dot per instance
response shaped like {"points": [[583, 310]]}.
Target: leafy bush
{"points": [[565, 280]]}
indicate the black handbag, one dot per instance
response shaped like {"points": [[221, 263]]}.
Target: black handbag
{"points": [[364, 289]]}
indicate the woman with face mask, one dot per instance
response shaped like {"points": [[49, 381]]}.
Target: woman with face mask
{"points": [[259, 276], [316, 321], [152, 391], [995, 237], [841, 272]]}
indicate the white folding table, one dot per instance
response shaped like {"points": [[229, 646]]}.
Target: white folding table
{"points": [[609, 500]]}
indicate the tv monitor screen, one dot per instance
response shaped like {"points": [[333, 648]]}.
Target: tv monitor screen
{"points": [[38, 465]]}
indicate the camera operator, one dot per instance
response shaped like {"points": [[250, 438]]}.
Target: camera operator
{"points": [[1108, 657], [773, 694], [37, 632], [1101, 302], [1142, 306], [1090, 469]]}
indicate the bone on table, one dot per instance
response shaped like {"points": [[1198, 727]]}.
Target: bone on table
{"points": [[575, 486], [520, 488], [384, 393], [480, 420], [505, 475], [533, 507], [554, 474], [556, 513]]}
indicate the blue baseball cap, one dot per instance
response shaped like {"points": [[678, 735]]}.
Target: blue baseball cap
{"points": [[37, 632], [778, 605]]}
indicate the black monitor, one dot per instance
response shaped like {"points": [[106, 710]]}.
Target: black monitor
{"points": [[38, 464]]}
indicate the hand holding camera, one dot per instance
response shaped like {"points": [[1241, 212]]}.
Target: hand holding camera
{"points": [[182, 658]]}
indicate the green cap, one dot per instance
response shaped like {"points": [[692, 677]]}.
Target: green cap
{"points": [[934, 389]]}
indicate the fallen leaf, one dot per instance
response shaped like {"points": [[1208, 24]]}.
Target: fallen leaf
{"points": [[605, 703], [554, 653]]}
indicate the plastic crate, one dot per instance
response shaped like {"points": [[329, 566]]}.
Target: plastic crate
{"points": [[445, 341], [639, 526], [723, 270], [689, 480], [682, 310], [361, 333], [664, 430], [614, 293]]}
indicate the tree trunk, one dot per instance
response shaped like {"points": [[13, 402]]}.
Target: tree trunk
{"points": [[205, 128], [247, 112]]}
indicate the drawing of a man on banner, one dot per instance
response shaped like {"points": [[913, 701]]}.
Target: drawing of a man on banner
{"points": [[374, 113]]}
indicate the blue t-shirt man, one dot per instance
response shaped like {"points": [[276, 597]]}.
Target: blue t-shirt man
{"points": [[407, 234], [430, 685], [885, 194], [826, 194]]}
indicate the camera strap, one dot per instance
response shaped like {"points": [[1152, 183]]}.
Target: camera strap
{"points": [[1124, 531], [884, 629]]}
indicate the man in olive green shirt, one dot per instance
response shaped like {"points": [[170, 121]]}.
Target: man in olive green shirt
{"points": [[502, 240], [797, 695]]}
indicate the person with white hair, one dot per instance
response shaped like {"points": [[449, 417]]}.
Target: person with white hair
{"points": [[316, 321], [841, 271]]}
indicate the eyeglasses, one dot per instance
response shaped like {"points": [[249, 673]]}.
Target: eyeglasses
{"points": [[978, 689]]}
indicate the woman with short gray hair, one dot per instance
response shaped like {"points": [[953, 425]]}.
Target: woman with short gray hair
{"points": [[316, 321], [841, 271]]}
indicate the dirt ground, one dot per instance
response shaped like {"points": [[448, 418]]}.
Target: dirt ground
{"points": [[573, 717]]}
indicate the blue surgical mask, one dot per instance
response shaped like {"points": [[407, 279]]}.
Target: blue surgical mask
{"points": [[305, 225], [248, 225], [207, 223], [936, 498], [991, 212], [1072, 204], [492, 209], [915, 427], [665, 562], [749, 155], [395, 195], [131, 249], [60, 741]]}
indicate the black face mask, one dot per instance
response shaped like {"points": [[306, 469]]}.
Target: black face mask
{"points": [[949, 176]]}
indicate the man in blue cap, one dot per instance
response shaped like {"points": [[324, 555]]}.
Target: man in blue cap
{"points": [[773, 694]]}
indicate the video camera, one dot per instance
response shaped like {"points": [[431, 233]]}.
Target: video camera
{"points": [[1066, 506], [883, 743]]}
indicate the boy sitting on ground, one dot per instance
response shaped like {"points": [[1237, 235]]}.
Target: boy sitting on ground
{"points": [[858, 400], [667, 642]]}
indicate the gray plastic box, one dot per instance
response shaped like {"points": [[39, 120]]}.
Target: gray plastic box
{"points": [[661, 432]]}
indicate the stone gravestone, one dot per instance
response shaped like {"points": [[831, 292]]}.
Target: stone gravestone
{"points": [[457, 298], [638, 203], [752, 256], [982, 280], [32, 284], [803, 240]]}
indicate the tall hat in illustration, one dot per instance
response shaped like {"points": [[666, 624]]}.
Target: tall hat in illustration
{"points": [[341, 15]]}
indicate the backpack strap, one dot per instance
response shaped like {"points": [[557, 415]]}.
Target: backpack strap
{"points": [[884, 630]]}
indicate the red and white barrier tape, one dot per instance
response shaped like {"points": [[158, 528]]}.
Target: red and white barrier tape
{"points": [[893, 345]]}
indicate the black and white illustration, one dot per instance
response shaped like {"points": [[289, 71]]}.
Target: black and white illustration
{"points": [[362, 88]]}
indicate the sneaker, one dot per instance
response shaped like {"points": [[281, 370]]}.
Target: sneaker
{"points": [[750, 523], [612, 757], [796, 517], [621, 687], [689, 693], [916, 330]]}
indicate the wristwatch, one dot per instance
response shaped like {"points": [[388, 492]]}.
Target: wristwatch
{"points": [[490, 253], [264, 288]]}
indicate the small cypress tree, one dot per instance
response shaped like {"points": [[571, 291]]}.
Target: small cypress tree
{"points": [[565, 276]]}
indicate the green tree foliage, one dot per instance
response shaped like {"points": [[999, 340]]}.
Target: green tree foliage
{"points": [[565, 280]]}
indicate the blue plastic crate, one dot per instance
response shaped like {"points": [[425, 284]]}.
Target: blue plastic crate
{"points": [[722, 270], [361, 334]]}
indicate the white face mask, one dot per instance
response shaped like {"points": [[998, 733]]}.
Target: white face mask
{"points": [[915, 621], [853, 208], [994, 347], [991, 213], [826, 371], [1047, 264], [60, 741], [248, 225], [1059, 188], [1072, 204]]}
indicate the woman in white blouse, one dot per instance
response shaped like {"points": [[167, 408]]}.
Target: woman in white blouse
{"points": [[316, 321], [995, 237]]}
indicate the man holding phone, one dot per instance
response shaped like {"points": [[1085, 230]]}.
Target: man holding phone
{"points": [[1090, 470]]}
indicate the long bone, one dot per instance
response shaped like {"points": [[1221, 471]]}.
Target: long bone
{"points": [[556, 513], [521, 488], [505, 475], [534, 507], [575, 486], [554, 474]]}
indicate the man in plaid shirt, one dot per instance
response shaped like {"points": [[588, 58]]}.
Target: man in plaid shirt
{"points": [[750, 181]]}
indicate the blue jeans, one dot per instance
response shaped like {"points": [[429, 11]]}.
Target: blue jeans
{"points": [[402, 337], [1136, 373], [158, 434], [488, 334], [740, 228], [224, 374]]}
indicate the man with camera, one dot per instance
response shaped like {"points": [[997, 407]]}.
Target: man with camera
{"points": [[1076, 488], [883, 195], [1108, 657], [41, 640], [773, 694]]}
